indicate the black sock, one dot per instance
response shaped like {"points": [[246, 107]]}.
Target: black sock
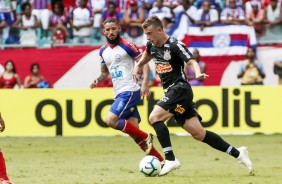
{"points": [[164, 139], [218, 143]]}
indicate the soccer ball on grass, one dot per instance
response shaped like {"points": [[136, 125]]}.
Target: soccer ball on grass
{"points": [[150, 166]]}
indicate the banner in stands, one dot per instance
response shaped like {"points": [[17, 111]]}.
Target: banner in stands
{"points": [[36, 112]]}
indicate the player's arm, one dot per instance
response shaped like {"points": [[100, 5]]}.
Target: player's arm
{"points": [[104, 74], [2, 124], [145, 58], [182, 51], [196, 69]]}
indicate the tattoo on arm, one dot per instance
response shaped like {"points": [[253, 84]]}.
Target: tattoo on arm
{"points": [[104, 73]]}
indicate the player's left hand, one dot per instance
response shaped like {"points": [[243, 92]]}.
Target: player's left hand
{"points": [[202, 76], [2, 124], [145, 92]]}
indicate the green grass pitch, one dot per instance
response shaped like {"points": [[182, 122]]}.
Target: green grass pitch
{"points": [[91, 160]]}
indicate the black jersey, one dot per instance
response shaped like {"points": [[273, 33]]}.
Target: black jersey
{"points": [[169, 61]]}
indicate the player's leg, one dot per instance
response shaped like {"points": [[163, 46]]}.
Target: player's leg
{"points": [[123, 105], [141, 143], [125, 126], [3, 173], [194, 127], [157, 118]]}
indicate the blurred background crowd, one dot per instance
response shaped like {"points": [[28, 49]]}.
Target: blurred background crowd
{"points": [[45, 22]]}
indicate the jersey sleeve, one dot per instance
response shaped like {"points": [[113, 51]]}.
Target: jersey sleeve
{"points": [[148, 47], [131, 49], [182, 51], [101, 55]]}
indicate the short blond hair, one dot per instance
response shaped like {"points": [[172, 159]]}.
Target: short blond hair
{"points": [[152, 21]]}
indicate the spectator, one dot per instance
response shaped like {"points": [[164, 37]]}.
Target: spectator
{"points": [[28, 24], [10, 79], [206, 16], [58, 22], [274, 20], [255, 17], [186, 8], [148, 5], [97, 7], [251, 72], [3, 24], [81, 22], [167, 23], [134, 16], [110, 12], [191, 75], [2, 69], [232, 14], [215, 4], [248, 5], [41, 9], [278, 69], [171, 4], [6, 15], [160, 10], [35, 80]]}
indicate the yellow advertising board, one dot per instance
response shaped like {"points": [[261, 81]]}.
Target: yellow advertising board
{"points": [[51, 112]]}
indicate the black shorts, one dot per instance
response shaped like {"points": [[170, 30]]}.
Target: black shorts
{"points": [[179, 101]]}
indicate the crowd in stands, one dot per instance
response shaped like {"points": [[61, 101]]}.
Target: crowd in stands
{"points": [[9, 79], [30, 22]]}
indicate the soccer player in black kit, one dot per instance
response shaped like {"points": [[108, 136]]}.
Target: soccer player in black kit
{"points": [[169, 56]]}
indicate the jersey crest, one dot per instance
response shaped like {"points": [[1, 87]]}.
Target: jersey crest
{"points": [[167, 55]]}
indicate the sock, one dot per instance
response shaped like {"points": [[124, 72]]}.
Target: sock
{"points": [[153, 152], [130, 129], [218, 143], [3, 173], [164, 139]]}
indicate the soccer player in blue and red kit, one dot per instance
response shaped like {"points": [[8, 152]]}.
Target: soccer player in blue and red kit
{"points": [[3, 173], [117, 59]]}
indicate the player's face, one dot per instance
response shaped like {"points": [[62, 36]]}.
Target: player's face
{"points": [[153, 34], [111, 30]]}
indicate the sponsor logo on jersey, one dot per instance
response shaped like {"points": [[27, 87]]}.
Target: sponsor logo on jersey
{"points": [[163, 68], [179, 109], [167, 55], [116, 72]]}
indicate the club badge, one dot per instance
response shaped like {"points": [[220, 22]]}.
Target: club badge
{"points": [[167, 55]]}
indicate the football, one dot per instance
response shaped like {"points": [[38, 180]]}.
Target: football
{"points": [[150, 166]]}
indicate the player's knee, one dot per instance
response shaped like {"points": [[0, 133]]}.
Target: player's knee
{"points": [[198, 135], [111, 122], [153, 118]]}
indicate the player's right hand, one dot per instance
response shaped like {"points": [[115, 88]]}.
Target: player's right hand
{"points": [[94, 84], [2, 124]]}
